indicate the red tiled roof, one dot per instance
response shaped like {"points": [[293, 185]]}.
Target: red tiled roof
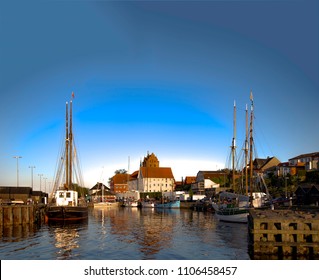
{"points": [[190, 179], [157, 172], [120, 179]]}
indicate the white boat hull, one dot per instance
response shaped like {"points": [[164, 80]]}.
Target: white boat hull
{"points": [[131, 204], [105, 204], [148, 204], [232, 215]]}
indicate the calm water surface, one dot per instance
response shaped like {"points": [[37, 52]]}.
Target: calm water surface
{"points": [[130, 234]]}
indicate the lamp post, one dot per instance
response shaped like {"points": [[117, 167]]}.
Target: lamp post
{"points": [[17, 157], [40, 180], [32, 175]]}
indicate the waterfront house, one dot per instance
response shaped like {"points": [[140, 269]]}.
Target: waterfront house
{"points": [[189, 180], [119, 183], [151, 177], [282, 169], [310, 161], [155, 179], [96, 190], [185, 184], [261, 165], [207, 181]]}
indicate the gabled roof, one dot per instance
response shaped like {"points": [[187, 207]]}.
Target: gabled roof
{"points": [[266, 163], [120, 178], [259, 162], [190, 180], [306, 188], [98, 186], [157, 172], [134, 175], [315, 154]]}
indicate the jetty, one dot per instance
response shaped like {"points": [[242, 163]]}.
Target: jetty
{"points": [[13, 215], [285, 233]]}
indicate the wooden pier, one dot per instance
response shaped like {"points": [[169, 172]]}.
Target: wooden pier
{"points": [[12, 215], [284, 234]]}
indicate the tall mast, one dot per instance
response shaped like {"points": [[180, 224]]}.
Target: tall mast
{"points": [[233, 148], [128, 173], [70, 148], [67, 146], [246, 152], [251, 142]]}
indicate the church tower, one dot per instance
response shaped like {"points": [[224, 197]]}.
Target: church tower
{"points": [[150, 160]]}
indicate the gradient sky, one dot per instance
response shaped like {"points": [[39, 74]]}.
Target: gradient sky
{"points": [[157, 76]]}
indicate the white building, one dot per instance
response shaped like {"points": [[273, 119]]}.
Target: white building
{"points": [[152, 178], [310, 161]]}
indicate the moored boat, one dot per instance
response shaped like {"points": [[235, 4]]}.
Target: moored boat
{"points": [[131, 203], [65, 204], [235, 207], [66, 207], [168, 205], [105, 204], [233, 215], [148, 204]]}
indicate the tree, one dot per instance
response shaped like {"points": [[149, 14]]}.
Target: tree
{"points": [[120, 171]]}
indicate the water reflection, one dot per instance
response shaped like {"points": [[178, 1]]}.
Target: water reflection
{"points": [[166, 234], [155, 232], [66, 238], [129, 234], [16, 233], [234, 236]]}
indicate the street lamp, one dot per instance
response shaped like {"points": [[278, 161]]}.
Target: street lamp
{"points": [[17, 157], [40, 180], [32, 175]]}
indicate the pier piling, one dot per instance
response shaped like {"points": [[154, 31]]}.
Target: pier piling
{"points": [[11, 215]]}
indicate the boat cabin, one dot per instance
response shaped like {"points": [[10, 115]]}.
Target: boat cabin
{"points": [[66, 198]]}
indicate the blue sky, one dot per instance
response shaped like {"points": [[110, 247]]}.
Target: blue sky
{"points": [[157, 76]]}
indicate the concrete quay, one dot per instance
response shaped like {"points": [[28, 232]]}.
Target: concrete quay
{"points": [[284, 233]]}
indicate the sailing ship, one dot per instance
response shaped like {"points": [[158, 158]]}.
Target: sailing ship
{"points": [[234, 207], [65, 204], [108, 200]]}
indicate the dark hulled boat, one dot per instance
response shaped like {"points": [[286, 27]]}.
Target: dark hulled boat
{"points": [[65, 204]]}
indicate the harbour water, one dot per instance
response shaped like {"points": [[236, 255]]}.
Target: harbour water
{"points": [[129, 234]]}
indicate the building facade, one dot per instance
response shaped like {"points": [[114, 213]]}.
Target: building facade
{"points": [[309, 161], [151, 177], [119, 183]]}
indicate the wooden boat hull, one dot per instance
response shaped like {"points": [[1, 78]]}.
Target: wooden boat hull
{"points": [[169, 205], [67, 213], [232, 215]]}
